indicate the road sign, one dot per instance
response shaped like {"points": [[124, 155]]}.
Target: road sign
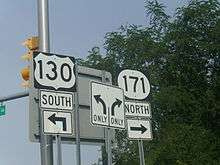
{"points": [[2, 110], [135, 84], [57, 122], [88, 133], [139, 129], [107, 105], [56, 100], [137, 109], [54, 72]]}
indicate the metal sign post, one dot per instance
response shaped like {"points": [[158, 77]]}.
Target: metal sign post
{"points": [[46, 141], [59, 150], [141, 152], [77, 125], [109, 148]]}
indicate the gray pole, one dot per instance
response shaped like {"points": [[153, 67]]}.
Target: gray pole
{"points": [[108, 138], [59, 153], [77, 126], [141, 152], [109, 148], [14, 96], [46, 141]]}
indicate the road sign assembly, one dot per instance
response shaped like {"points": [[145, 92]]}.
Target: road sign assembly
{"points": [[135, 84], [139, 129], [107, 105], [137, 108], [51, 99], [57, 122], [138, 113]]}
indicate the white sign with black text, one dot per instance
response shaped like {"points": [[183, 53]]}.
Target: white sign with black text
{"points": [[137, 109], [139, 129], [135, 84], [57, 122], [56, 100], [107, 105], [54, 72]]}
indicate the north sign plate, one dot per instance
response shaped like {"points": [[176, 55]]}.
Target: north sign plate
{"points": [[107, 105], [137, 109]]}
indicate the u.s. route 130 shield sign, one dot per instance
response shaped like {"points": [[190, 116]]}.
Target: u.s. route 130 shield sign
{"points": [[54, 72]]}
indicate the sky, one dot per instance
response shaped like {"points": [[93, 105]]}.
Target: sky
{"points": [[75, 27]]}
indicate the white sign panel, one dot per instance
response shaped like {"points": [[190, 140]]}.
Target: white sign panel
{"points": [[55, 122], [139, 129], [107, 105], [134, 83], [56, 100], [139, 109], [54, 72]]}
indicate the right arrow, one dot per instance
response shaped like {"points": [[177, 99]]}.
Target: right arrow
{"points": [[141, 128]]}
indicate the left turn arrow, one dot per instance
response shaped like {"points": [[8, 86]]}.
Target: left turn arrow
{"points": [[54, 119]]}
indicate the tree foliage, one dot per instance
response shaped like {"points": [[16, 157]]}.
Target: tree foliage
{"points": [[180, 56]]}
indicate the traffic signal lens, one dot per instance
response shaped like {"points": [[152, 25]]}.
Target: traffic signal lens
{"points": [[25, 73]]}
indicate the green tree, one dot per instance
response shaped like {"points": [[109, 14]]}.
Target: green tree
{"points": [[180, 56]]}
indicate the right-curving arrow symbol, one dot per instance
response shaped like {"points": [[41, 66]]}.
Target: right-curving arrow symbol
{"points": [[99, 100], [141, 128], [116, 103]]}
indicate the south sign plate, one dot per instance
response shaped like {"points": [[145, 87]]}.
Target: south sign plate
{"points": [[54, 72], [135, 84], [107, 105], [56, 100]]}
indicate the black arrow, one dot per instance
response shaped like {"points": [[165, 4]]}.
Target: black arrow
{"points": [[142, 129], [99, 100], [53, 119], [116, 103]]}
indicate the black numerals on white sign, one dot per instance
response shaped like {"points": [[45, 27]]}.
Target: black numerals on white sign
{"points": [[65, 68], [134, 83], [54, 72]]}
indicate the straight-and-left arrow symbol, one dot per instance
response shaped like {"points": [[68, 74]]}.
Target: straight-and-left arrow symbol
{"points": [[54, 119]]}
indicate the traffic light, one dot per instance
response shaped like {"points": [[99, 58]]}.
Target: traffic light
{"points": [[32, 44]]}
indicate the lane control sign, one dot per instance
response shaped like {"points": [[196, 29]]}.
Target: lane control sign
{"points": [[107, 105]]}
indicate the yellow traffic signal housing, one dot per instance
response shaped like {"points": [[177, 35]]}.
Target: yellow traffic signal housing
{"points": [[32, 43], [25, 73], [27, 56]]}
